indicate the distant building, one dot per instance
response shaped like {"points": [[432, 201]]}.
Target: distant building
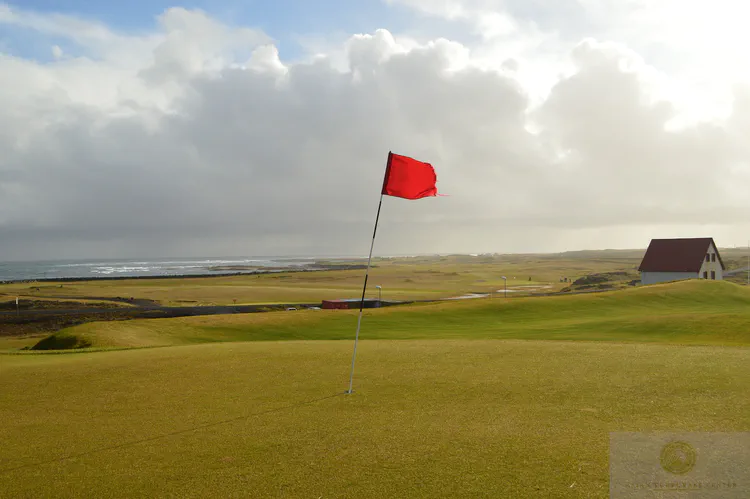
{"points": [[349, 303], [678, 259]]}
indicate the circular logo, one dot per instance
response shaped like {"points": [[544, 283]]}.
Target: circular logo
{"points": [[678, 457]]}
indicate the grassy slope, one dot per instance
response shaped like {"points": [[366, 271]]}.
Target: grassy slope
{"points": [[688, 312], [12, 343], [443, 418], [401, 278]]}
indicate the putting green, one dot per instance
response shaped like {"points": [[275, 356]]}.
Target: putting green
{"points": [[437, 418]]}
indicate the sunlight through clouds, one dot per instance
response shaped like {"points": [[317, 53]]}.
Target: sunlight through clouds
{"points": [[200, 134]]}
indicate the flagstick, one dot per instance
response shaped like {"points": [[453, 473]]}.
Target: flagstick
{"points": [[362, 303]]}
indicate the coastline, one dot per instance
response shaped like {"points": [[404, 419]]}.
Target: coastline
{"points": [[228, 271]]}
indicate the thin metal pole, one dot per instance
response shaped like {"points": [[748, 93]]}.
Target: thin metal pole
{"points": [[364, 289]]}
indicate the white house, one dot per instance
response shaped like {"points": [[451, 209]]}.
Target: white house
{"points": [[677, 259]]}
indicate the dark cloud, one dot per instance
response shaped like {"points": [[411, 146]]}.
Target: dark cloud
{"points": [[269, 159]]}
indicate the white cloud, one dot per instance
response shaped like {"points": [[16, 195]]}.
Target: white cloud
{"points": [[84, 31], [198, 138], [698, 46]]}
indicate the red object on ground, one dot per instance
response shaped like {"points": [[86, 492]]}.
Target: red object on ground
{"points": [[408, 178], [335, 305]]}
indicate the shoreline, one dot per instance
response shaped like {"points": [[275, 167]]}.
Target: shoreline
{"points": [[216, 273]]}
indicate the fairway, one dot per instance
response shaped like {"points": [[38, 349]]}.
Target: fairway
{"points": [[686, 312], [437, 418], [481, 398]]}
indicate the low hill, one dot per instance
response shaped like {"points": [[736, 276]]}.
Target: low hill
{"points": [[687, 312]]}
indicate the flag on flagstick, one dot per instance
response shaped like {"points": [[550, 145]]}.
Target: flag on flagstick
{"points": [[405, 178], [408, 178]]}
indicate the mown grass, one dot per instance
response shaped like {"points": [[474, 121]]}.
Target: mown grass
{"points": [[446, 411], [13, 343], [687, 312], [440, 418]]}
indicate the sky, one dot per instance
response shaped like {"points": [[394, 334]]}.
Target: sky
{"points": [[160, 129]]}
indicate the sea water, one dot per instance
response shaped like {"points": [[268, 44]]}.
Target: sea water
{"points": [[90, 269]]}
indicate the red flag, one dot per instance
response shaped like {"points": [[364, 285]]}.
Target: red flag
{"points": [[408, 178]]}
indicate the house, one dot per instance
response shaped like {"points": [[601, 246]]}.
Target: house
{"points": [[677, 259]]}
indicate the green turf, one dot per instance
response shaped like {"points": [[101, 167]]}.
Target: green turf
{"points": [[687, 312], [11, 343], [459, 415], [443, 418]]}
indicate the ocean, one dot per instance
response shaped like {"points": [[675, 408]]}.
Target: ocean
{"points": [[91, 269]]}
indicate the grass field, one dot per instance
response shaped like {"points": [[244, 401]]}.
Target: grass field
{"points": [[687, 312], [401, 279], [485, 398], [439, 418]]}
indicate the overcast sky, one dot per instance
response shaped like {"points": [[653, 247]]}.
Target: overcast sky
{"points": [[152, 129]]}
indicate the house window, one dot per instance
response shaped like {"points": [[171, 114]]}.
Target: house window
{"points": [[708, 257], [713, 257], [705, 275], [713, 274]]}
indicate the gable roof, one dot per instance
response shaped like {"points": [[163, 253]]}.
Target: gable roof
{"points": [[677, 255]]}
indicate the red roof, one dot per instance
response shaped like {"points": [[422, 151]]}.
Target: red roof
{"points": [[677, 255]]}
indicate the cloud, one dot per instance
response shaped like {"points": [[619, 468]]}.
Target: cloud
{"points": [[695, 45], [199, 139], [56, 24]]}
